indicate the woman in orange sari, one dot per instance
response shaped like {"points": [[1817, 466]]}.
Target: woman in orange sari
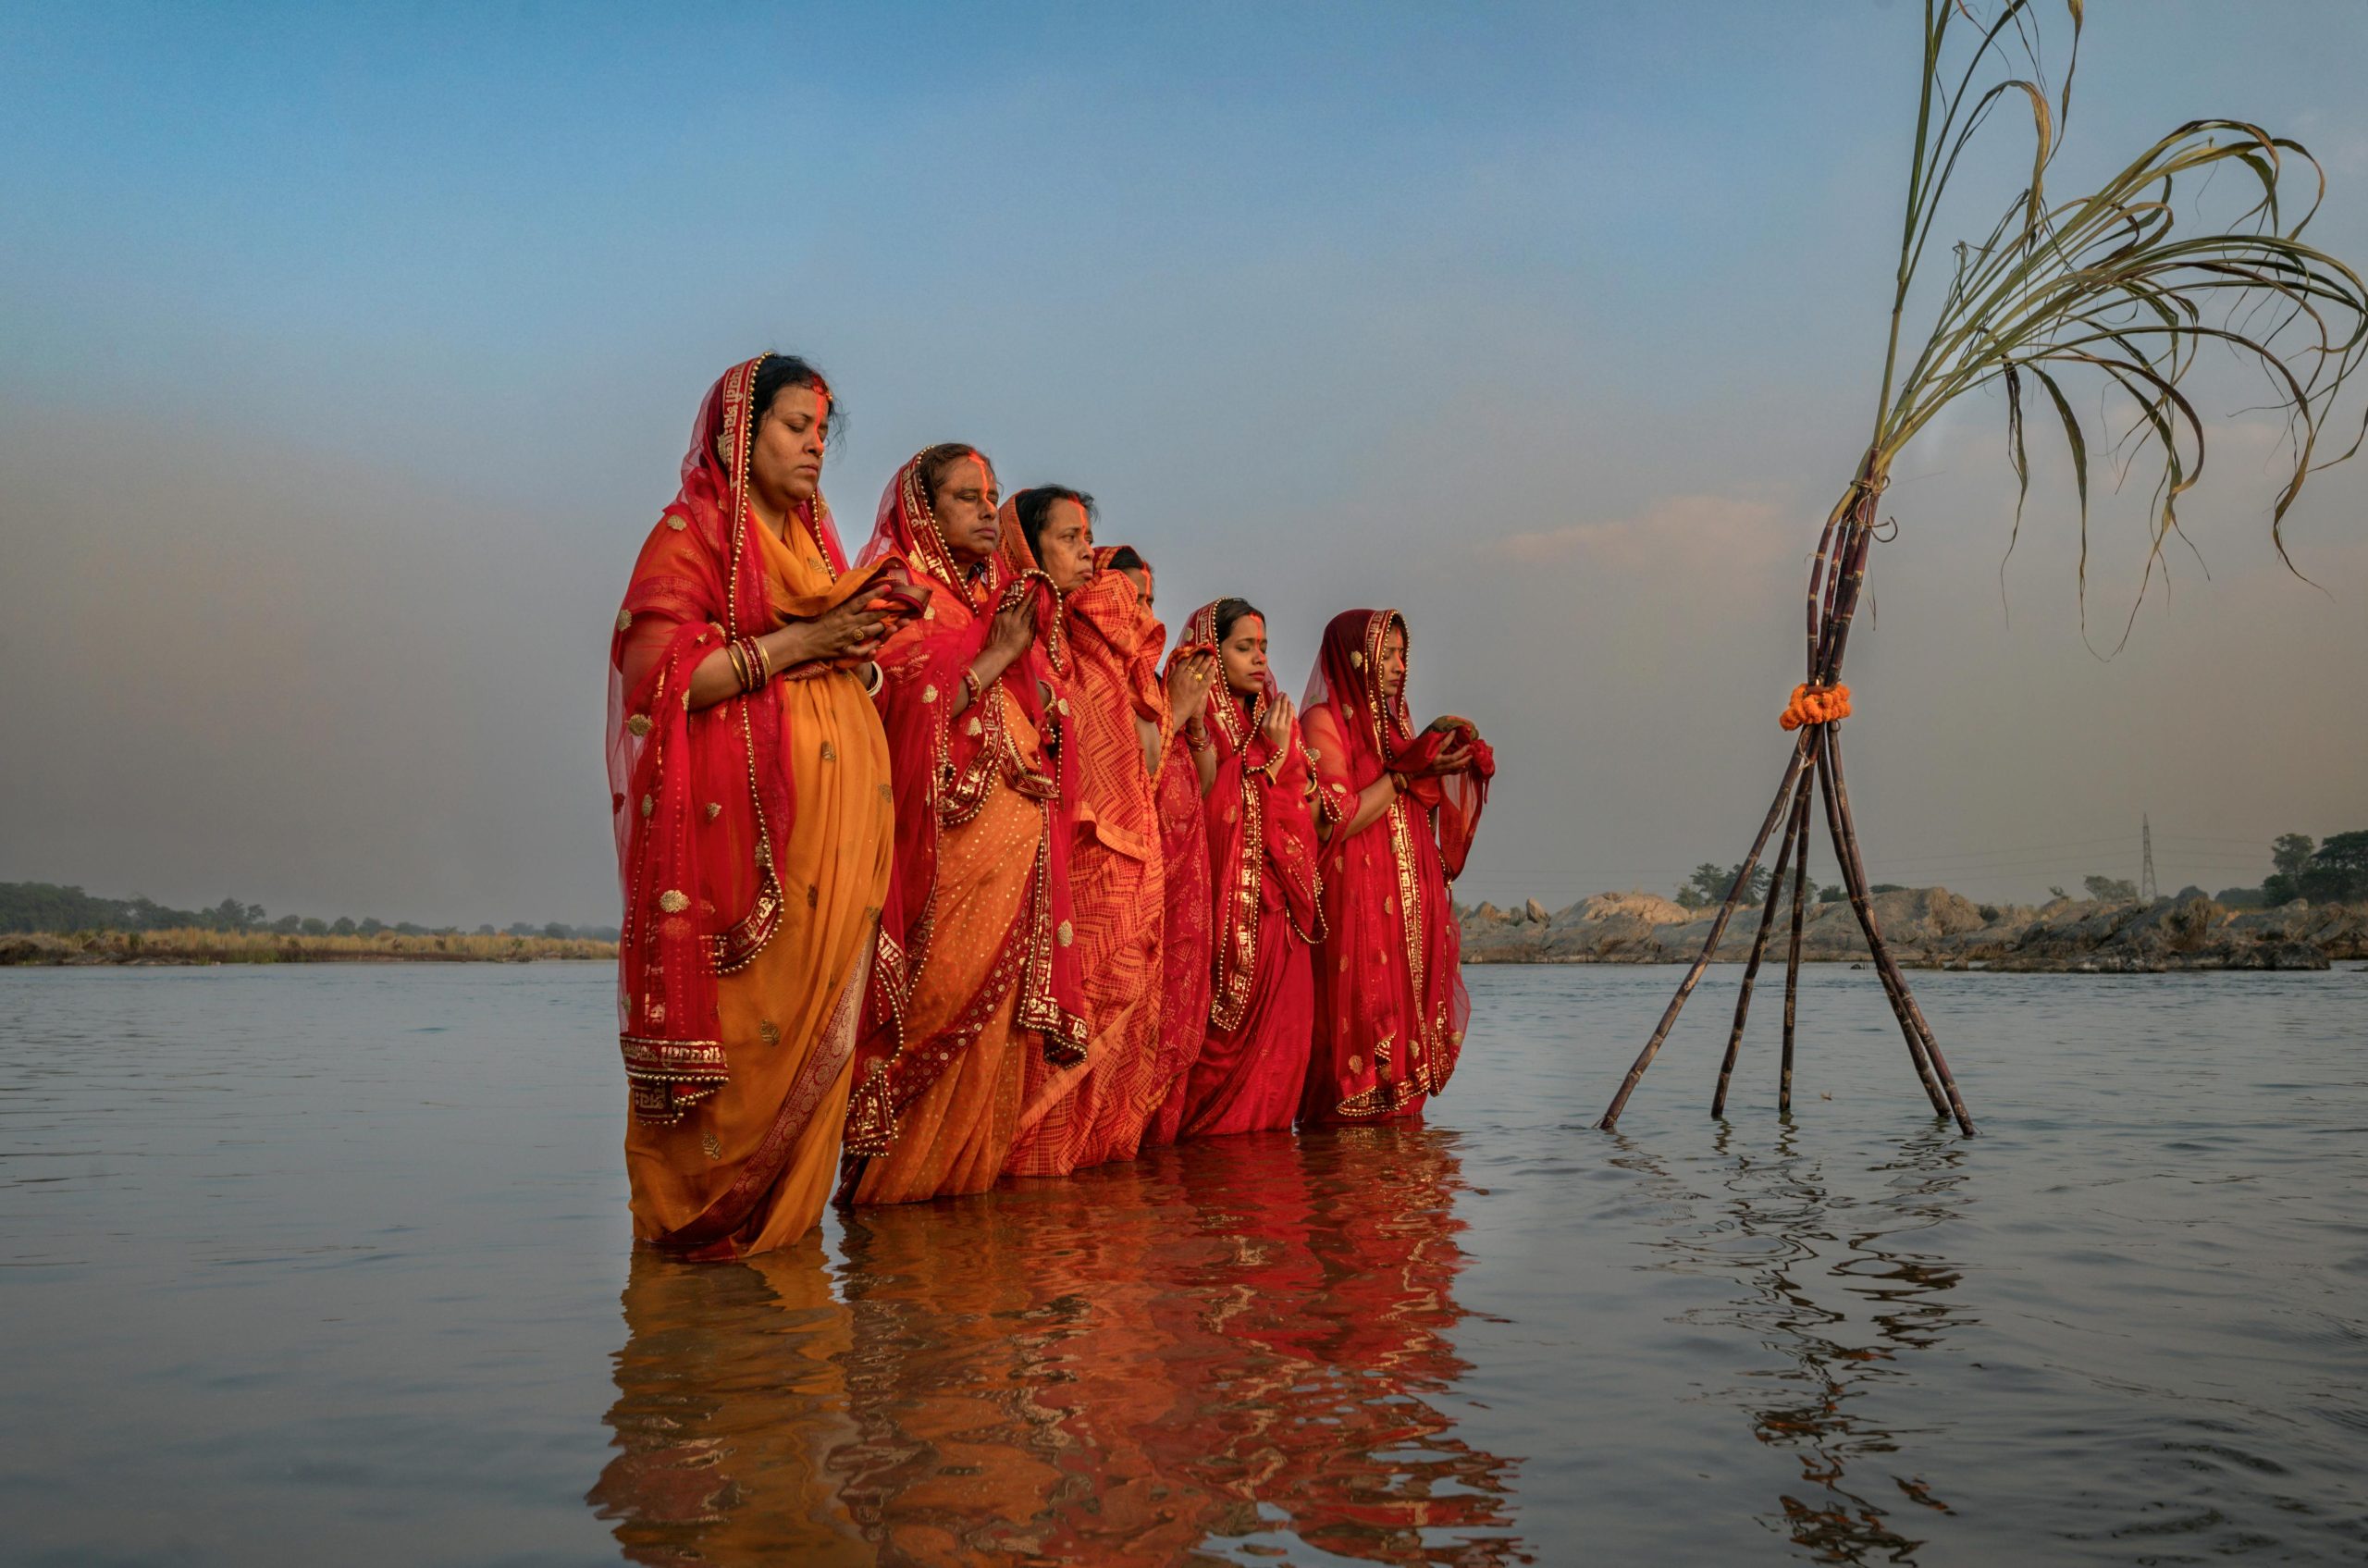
{"points": [[1255, 785], [1094, 1111], [975, 967], [1397, 811], [749, 779]]}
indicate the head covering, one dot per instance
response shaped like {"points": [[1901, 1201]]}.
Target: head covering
{"points": [[1259, 827], [1390, 1026], [941, 767], [1111, 608], [1380, 736], [700, 801]]}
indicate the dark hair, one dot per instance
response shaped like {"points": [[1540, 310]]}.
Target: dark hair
{"points": [[937, 462], [1035, 507], [1230, 611], [775, 372], [1126, 557]]}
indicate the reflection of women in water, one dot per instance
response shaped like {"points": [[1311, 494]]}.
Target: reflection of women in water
{"points": [[1334, 1313], [1255, 784], [1396, 810], [730, 1408], [1009, 1372], [748, 781], [1093, 1111], [975, 964]]}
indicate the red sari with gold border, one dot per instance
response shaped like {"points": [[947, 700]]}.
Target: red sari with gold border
{"points": [[975, 969], [753, 838], [1391, 1006], [1093, 1112], [1265, 913]]}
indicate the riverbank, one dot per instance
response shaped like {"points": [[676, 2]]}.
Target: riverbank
{"points": [[1932, 928], [197, 946]]}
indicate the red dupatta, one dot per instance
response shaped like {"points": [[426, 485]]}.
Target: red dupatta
{"points": [[1114, 645], [1259, 824], [701, 801], [942, 770], [1394, 980]]}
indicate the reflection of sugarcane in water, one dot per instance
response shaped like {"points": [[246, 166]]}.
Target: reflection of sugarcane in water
{"points": [[2103, 286]]}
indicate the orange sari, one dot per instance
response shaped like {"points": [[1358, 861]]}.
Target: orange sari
{"points": [[975, 971], [764, 871], [1094, 1111]]}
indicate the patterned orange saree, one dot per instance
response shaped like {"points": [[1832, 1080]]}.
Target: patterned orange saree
{"points": [[1391, 1007], [1265, 915], [753, 838], [976, 970], [1094, 1111]]}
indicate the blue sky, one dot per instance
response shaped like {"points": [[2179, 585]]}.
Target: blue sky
{"points": [[353, 349]]}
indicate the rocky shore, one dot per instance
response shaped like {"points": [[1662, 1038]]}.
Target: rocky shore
{"points": [[1932, 928]]}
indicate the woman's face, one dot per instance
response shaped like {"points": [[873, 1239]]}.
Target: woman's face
{"points": [[1244, 655], [965, 502], [785, 463], [1393, 662], [1142, 579], [1066, 544]]}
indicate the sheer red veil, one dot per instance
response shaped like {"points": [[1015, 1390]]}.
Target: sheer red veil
{"points": [[1259, 824], [1395, 1007], [941, 769], [700, 800]]}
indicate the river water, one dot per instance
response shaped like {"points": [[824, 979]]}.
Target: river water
{"points": [[330, 1265]]}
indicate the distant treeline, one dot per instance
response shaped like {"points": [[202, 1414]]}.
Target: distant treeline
{"points": [[30, 906], [2333, 873]]}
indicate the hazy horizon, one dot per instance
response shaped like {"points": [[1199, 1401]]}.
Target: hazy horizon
{"points": [[353, 356]]}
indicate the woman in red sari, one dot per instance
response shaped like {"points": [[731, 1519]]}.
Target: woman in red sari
{"points": [[1093, 1111], [1184, 983], [1256, 785], [975, 967], [1397, 811], [748, 780]]}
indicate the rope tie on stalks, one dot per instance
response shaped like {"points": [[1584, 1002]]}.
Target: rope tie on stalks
{"points": [[1816, 705]]}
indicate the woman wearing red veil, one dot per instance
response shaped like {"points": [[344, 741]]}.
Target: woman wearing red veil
{"points": [[1397, 811], [1266, 909], [1093, 1111], [1184, 859], [749, 779], [976, 967]]}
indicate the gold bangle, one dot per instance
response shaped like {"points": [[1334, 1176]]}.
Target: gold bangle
{"points": [[764, 659], [733, 657]]}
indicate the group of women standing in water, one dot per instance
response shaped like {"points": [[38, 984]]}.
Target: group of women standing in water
{"points": [[935, 875]]}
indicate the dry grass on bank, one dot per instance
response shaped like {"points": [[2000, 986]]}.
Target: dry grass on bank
{"points": [[194, 947]]}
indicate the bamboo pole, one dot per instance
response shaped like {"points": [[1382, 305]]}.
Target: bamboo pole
{"points": [[1795, 833], [1718, 929], [1793, 961], [1938, 1084], [1854, 881]]}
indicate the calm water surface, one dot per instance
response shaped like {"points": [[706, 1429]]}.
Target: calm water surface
{"points": [[331, 1264]]}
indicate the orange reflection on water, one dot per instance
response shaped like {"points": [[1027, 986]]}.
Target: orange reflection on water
{"points": [[1213, 1352]]}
